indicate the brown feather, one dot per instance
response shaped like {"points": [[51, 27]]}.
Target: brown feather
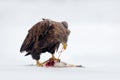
{"points": [[45, 36], [33, 34]]}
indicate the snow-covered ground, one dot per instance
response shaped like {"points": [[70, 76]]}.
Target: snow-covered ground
{"points": [[94, 41]]}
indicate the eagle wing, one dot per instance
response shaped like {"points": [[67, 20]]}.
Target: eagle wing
{"points": [[39, 30]]}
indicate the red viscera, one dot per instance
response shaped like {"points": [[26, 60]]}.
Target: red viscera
{"points": [[50, 63]]}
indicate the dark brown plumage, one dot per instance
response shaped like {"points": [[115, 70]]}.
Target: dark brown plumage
{"points": [[45, 36]]}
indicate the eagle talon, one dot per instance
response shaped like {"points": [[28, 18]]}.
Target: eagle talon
{"points": [[53, 58], [39, 64]]}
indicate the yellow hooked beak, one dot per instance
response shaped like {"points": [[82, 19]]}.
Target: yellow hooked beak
{"points": [[64, 46]]}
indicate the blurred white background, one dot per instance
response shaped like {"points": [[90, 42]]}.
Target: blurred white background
{"points": [[94, 40]]}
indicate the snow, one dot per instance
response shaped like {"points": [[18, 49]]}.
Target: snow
{"points": [[94, 41]]}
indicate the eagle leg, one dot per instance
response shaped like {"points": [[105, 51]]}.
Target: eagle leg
{"points": [[53, 57], [38, 63]]}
